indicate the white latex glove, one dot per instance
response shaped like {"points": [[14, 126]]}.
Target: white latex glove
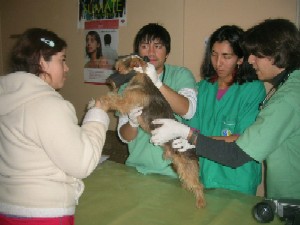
{"points": [[97, 104], [91, 103], [96, 114], [133, 115], [151, 72], [169, 130], [182, 144]]}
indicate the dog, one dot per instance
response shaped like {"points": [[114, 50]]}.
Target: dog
{"points": [[141, 92]]}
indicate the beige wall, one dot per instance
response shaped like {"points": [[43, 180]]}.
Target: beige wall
{"points": [[188, 21], [202, 17]]}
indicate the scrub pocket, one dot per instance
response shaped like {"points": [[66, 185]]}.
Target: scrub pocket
{"points": [[228, 126]]}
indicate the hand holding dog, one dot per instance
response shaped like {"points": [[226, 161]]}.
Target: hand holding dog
{"points": [[169, 130], [100, 104], [133, 116], [151, 72], [182, 145]]}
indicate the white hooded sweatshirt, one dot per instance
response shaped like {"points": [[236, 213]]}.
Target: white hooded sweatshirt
{"points": [[43, 151]]}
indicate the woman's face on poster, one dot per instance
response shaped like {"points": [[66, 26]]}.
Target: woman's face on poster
{"points": [[91, 44]]}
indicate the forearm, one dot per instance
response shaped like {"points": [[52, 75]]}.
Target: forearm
{"points": [[222, 151], [127, 132], [178, 103], [230, 138]]}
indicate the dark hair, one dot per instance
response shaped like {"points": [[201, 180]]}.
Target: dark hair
{"points": [[276, 38], [233, 35], [107, 39], [33, 44], [98, 40], [150, 32]]}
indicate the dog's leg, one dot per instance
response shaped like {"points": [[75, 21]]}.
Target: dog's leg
{"points": [[130, 99], [188, 172], [116, 102], [111, 101]]}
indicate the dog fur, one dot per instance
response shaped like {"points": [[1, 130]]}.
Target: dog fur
{"points": [[140, 91]]}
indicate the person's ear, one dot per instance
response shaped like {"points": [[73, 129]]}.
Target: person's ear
{"points": [[166, 57], [44, 66], [43, 63], [240, 61]]}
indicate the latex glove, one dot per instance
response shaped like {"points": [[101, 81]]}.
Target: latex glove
{"points": [[182, 144], [133, 115], [151, 72], [96, 113], [98, 104], [91, 104], [169, 130]]}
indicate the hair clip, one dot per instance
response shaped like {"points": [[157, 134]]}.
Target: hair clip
{"points": [[48, 42]]}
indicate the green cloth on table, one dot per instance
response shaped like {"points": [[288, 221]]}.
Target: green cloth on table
{"points": [[118, 195]]}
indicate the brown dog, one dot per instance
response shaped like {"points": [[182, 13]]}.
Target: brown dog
{"points": [[140, 91]]}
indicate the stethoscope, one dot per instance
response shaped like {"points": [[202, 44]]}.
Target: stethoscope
{"points": [[277, 82], [163, 75]]}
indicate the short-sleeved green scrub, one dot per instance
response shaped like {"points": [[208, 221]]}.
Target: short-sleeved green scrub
{"points": [[232, 114], [143, 155], [275, 137]]}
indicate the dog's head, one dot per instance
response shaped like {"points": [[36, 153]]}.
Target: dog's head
{"points": [[126, 68], [127, 63]]}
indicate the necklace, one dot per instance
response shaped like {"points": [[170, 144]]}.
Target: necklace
{"points": [[277, 82]]}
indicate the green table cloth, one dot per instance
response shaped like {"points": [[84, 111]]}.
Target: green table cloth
{"points": [[116, 194]]}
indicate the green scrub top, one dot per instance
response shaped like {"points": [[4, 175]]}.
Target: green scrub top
{"points": [[143, 155], [232, 114], [275, 137]]}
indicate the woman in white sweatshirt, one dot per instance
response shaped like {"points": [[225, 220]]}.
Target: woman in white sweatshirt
{"points": [[44, 153]]}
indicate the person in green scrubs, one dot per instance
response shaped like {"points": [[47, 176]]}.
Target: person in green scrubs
{"points": [[228, 98], [274, 48], [177, 84]]}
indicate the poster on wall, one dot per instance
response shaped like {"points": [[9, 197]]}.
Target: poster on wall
{"points": [[101, 44], [102, 9]]}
